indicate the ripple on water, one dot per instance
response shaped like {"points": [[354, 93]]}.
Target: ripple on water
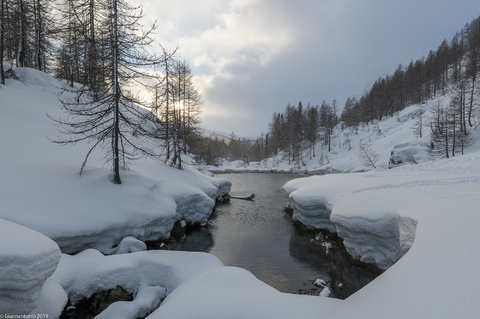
{"points": [[260, 237]]}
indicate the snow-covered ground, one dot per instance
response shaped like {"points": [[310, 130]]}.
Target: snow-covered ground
{"points": [[197, 285], [427, 213], [41, 187], [431, 208], [418, 220], [149, 276]]}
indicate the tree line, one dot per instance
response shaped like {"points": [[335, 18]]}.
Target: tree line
{"points": [[452, 68], [213, 150], [102, 51], [26, 31], [299, 128]]}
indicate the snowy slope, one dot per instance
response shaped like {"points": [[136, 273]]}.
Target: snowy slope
{"points": [[41, 188], [390, 135]]}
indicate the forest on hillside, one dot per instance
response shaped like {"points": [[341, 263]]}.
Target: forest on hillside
{"points": [[101, 50], [452, 69], [105, 57]]}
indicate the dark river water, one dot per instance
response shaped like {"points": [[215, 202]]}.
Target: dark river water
{"points": [[260, 237]]}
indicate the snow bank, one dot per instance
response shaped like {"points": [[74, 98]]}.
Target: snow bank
{"points": [[149, 276], [429, 209], [27, 259], [197, 285], [41, 188], [312, 212], [380, 240], [371, 232]]}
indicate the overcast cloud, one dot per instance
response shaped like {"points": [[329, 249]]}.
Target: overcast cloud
{"points": [[252, 57]]}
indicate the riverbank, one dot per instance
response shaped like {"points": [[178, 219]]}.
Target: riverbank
{"points": [[254, 169], [426, 213]]}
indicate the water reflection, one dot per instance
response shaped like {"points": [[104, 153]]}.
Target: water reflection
{"points": [[260, 237], [198, 240]]}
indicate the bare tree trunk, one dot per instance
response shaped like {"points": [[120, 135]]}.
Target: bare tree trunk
{"points": [[178, 149], [167, 115], [454, 134], [463, 118], [38, 33], [329, 140], [446, 137], [2, 41], [184, 128], [175, 139], [21, 36], [116, 94], [470, 109], [92, 58]]}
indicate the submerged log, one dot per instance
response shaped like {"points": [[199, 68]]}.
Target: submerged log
{"points": [[245, 197]]}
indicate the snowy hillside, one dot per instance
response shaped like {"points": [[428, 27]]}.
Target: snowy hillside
{"points": [[393, 138], [41, 187]]}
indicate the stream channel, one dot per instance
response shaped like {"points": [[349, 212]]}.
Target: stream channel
{"points": [[260, 236]]}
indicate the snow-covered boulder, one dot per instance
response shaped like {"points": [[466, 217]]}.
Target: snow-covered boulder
{"points": [[127, 245], [194, 207], [27, 259], [223, 187], [409, 153]]}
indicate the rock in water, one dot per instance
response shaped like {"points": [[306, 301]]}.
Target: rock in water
{"points": [[95, 304]]}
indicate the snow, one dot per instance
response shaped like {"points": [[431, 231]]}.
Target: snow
{"points": [[429, 210], [27, 259], [41, 188], [128, 244], [325, 292], [52, 300], [391, 138], [419, 222], [231, 292], [313, 212], [372, 230], [148, 275], [197, 285], [320, 282]]}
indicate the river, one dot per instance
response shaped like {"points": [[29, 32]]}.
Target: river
{"points": [[259, 236]]}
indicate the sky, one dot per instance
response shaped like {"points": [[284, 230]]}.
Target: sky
{"points": [[251, 58]]}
